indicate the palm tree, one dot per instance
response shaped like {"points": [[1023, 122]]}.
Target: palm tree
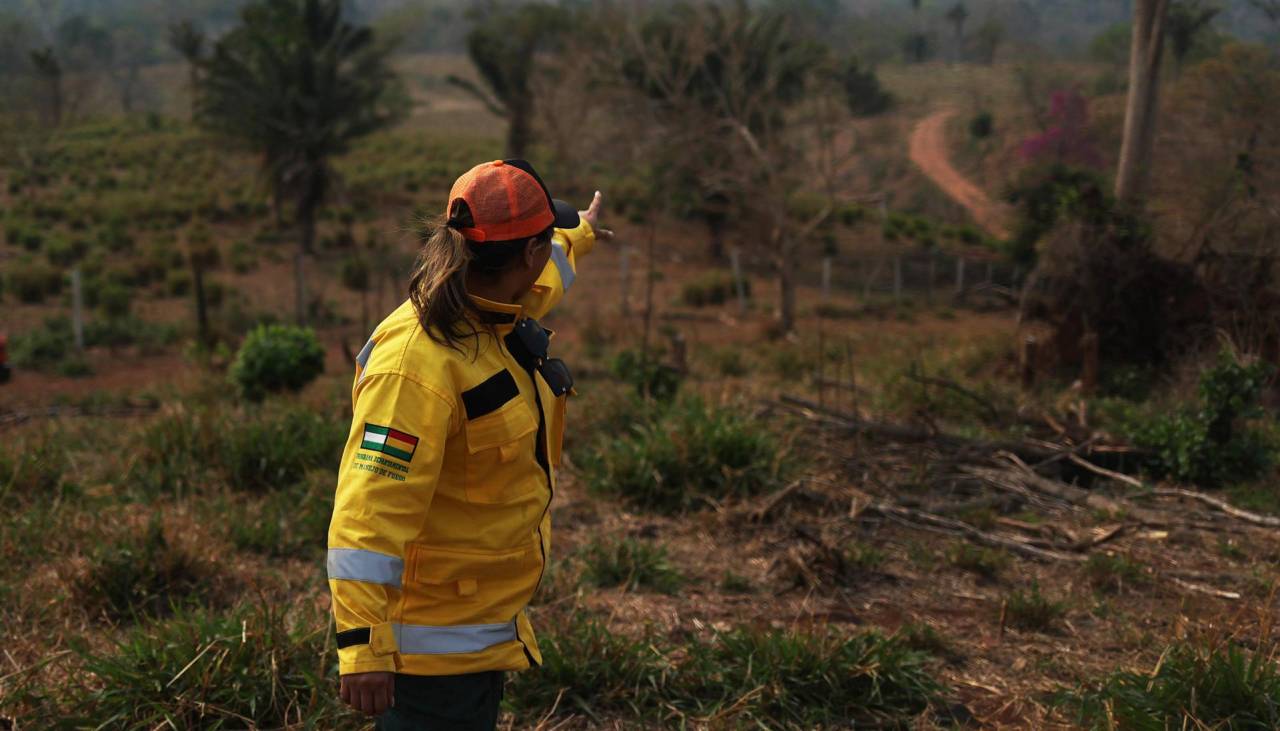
{"points": [[503, 45], [188, 41], [297, 83], [958, 14]]}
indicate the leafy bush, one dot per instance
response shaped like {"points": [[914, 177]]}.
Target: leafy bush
{"points": [[202, 669], [1032, 610], [1114, 573], [1219, 686], [287, 522], [679, 456], [43, 347], [630, 564], [748, 678], [985, 562], [712, 288], [647, 374], [981, 125], [277, 358], [32, 469], [144, 575], [116, 300], [267, 449], [32, 280], [1212, 444]]}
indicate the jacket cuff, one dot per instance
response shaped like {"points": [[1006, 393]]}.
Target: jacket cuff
{"points": [[581, 239], [375, 650]]}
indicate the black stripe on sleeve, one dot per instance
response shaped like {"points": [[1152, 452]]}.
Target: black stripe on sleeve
{"points": [[490, 395], [358, 636]]}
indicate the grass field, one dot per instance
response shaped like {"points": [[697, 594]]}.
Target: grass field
{"points": [[748, 555]]}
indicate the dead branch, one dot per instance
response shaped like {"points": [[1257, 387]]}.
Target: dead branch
{"points": [[992, 413], [1248, 517], [930, 521]]}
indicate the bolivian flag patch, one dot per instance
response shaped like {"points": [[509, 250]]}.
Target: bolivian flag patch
{"points": [[389, 441]]}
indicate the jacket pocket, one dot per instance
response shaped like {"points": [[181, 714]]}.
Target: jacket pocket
{"points": [[501, 463], [450, 587]]}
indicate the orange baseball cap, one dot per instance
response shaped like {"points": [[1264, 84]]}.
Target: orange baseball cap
{"points": [[508, 201]]}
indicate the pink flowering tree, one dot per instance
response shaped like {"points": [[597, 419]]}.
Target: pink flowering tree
{"points": [[1068, 139]]}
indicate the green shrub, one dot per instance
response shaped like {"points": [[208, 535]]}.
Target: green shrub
{"points": [[277, 358], [807, 681], [148, 335], [1221, 686], [267, 449], [1212, 444], [630, 564], [33, 469], [648, 375], [729, 362], [712, 288], [75, 366], [746, 678], [32, 281], [43, 347], [1032, 610], [116, 300], [985, 562], [267, 453], [981, 125], [287, 523], [254, 667], [144, 576], [177, 283], [64, 252], [243, 257], [679, 456], [1113, 573]]}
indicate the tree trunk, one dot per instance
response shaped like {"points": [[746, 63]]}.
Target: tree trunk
{"points": [[203, 332], [786, 249], [715, 230], [307, 219], [1146, 50], [518, 132]]}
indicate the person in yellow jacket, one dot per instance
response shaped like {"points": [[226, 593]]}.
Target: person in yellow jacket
{"points": [[441, 525]]}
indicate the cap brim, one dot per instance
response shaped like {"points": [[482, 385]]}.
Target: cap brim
{"points": [[566, 215]]}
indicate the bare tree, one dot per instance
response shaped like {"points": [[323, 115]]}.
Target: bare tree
{"points": [[958, 14], [189, 41], [1146, 52]]}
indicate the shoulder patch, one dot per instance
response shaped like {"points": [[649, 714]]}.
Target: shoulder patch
{"points": [[389, 441]]}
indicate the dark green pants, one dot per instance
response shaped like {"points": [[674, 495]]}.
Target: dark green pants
{"points": [[445, 703]]}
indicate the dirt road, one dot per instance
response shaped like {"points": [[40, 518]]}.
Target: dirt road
{"points": [[928, 149]]}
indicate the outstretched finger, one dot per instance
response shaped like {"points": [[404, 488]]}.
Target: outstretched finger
{"points": [[593, 210]]}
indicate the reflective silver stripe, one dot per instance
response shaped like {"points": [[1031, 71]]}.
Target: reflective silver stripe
{"points": [[363, 357], [421, 639], [561, 258], [355, 564]]}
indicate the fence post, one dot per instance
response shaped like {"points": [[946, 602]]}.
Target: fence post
{"points": [[736, 261], [77, 308], [960, 276], [897, 278], [989, 272]]}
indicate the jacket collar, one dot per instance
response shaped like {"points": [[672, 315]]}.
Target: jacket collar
{"points": [[501, 315]]}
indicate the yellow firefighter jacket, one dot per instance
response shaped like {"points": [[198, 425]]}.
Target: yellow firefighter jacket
{"points": [[440, 529]]}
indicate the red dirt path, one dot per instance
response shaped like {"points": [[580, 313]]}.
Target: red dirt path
{"points": [[928, 150]]}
